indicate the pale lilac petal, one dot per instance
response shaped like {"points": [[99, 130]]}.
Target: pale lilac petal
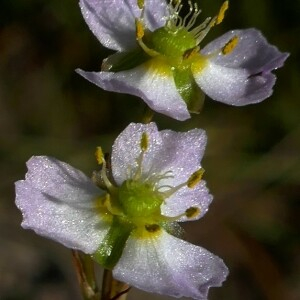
{"points": [[180, 153], [185, 198], [113, 21], [243, 76], [157, 89], [170, 266], [234, 86], [57, 201], [156, 14]]}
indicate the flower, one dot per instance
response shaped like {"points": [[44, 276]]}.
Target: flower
{"points": [[159, 57], [129, 222]]}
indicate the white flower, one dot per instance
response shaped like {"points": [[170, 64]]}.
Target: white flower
{"points": [[159, 57], [131, 224]]}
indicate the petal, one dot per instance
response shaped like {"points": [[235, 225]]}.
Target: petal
{"points": [[57, 201], [156, 14], [113, 21], [178, 152], [243, 76], [170, 266], [181, 153], [234, 86], [155, 86], [185, 198]]}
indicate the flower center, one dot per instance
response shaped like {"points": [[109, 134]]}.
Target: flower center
{"points": [[172, 43], [134, 208], [178, 35], [139, 199]]}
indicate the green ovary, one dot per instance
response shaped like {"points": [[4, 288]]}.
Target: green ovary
{"points": [[139, 199], [178, 52], [172, 43]]}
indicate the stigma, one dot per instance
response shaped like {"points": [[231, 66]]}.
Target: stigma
{"points": [[179, 35]]}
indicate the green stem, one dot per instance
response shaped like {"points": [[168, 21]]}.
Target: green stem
{"points": [[86, 275], [113, 289]]}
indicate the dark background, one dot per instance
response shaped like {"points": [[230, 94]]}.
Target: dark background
{"points": [[252, 160]]}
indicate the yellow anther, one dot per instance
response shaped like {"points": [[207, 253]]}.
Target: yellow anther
{"points": [[195, 178], [99, 155], [139, 29], [152, 227], [221, 13], [192, 212], [144, 142], [190, 53], [230, 45], [140, 4]]}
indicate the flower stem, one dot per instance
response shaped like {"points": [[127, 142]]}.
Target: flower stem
{"points": [[86, 275], [113, 289]]}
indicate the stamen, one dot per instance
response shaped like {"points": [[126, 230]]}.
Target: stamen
{"points": [[215, 21], [174, 20], [144, 143], [101, 161], [192, 212], [155, 178], [158, 177], [139, 28], [141, 4], [194, 17], [195, 178], [164, 187], [173, 190], [221, 13], [188, 14], [190, 52], [113, 210], [197, 30], [99, 155], [230, 45], [152, 227]]}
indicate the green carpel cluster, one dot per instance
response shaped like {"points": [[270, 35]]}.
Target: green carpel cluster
{"points": [[172, 43]]}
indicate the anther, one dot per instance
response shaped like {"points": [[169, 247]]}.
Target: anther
{"points": [[144, 142], [140, 4], [192, 212], [139, 29], [152, 227], [230, 45], [195, 178], [99, 155], [190, 52], [200, 35], [221, 13], [101, 161], [189, 213]]}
